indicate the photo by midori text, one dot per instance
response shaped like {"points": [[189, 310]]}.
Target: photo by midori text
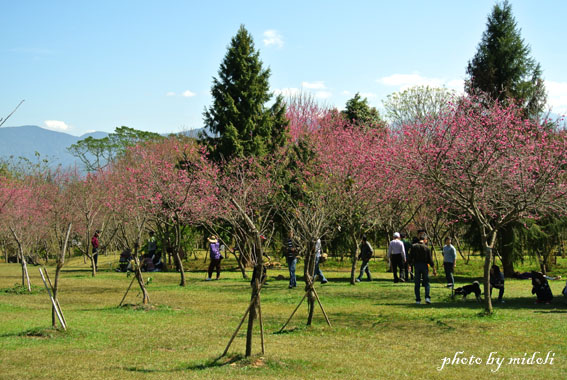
{"points": [[495, 361]]}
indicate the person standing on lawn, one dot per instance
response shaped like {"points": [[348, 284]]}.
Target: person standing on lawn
{"points": [[95, 244], [216, 257], [421, 260], [397, 257], [366, 253], [449, 262], [291, 259], [318, 272]]}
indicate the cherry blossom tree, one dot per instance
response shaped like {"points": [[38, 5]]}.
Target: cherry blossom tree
{"points": [[488, 165], [54, 194], [246, 190], [90, 213], [176, 186], [354, 163], [22, 216], [127, 198]]}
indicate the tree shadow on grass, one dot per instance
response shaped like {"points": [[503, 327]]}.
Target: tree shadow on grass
{"points": [[447, 302], [222, 361], [36, 332]]}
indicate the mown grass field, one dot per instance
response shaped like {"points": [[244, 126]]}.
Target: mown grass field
{"points": [[378, 332]]}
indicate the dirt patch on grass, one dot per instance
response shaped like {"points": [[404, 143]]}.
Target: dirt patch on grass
{"points": [[138, 307], [39, 333], [19, 289]]}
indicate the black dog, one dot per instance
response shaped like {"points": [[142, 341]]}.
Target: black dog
{"points": [[468, 289]]}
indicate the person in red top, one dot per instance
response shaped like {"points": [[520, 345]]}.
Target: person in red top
{"points": [[94, 242]]}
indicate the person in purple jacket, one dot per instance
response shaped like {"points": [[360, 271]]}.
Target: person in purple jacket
{"points": [[216, 257]]}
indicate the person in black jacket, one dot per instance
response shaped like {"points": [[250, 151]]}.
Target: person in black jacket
{"points": [[497, 281], [366, 253], [540, 287], [421, 260]]}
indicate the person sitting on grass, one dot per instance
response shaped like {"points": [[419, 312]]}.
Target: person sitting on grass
{"points": [[540, 287], [497, 281], [216, 257]]}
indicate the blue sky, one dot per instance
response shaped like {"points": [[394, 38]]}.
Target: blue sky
{"points": [[95, 65]]}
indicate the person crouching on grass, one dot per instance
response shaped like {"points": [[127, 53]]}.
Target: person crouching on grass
{"points": [[215, 255]]}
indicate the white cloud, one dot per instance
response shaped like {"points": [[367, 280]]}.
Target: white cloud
{"points": [[323, 94], [346, 92], [287, 92], [56, 125], [457, 85], [557, 96], [188, 94], [170, 93], [405, 81], [318, 85], [272, 37], [368, 95]]}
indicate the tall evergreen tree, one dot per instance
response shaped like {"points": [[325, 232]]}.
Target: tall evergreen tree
{"points": [[360, 113], [503, 67], [239, 120]]}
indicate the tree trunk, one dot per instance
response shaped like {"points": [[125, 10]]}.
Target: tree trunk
{"points": [[60, 263], [55, 288], [25, 274], [507, 250], [460, 250], [140, 278], [488, 240], [354, 258], [308, 272], [252, 316], [240, 265], [177, 256], [179, 264]]}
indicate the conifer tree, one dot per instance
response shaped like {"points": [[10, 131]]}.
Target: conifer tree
{"points": [[360, 113], [503, 67], [239, 121]]}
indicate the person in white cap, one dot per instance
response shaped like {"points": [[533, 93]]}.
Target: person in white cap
{"points": [[397, 257]]}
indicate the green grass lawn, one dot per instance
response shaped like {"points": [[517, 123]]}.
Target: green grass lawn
{"points": [[378, 332]]}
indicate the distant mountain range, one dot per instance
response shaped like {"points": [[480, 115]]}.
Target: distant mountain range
{"points": [[25, 141]]}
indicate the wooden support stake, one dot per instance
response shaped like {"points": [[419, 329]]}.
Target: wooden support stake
{"points": [[56, 300], [127, 290], [53, 301], [292, 314], [243, 318], [321, 306], [261, 326]]}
